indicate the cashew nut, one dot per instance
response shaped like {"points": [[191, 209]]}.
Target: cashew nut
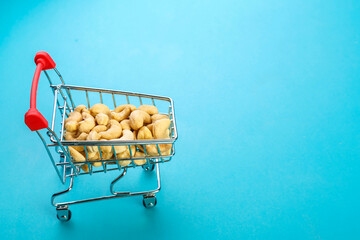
{"points": [[165, 148], [71, 126], [70, 136], [97, 164], [76, 155], [140, 161], [95, 156], [99, 128], [145, 133], [72, 122], [161, 131], [80, 108], [113, 132], [125, 124], [150, 109], [121, 115], [122, 107], [93, 135], [102, 119], [87, 124], [105, 149], [126, 154], [168, 152], [138, 118], [99, 108], [158, 116], [85, 168], [82, 136], [107, 155], [150, 126], [74, 116], [127, 135]]}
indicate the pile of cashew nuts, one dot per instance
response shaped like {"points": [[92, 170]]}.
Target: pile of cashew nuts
{"points": [[125, 122]]}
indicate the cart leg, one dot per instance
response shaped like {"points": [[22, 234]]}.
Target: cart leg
{"points": [[62, 192], [113, 183], [149, 201], [63, 212]]}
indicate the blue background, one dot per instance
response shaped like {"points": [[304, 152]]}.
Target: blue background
{"points": [[267, 101]]}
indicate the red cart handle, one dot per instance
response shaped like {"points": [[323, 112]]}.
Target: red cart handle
{"points": [[33, 118]]}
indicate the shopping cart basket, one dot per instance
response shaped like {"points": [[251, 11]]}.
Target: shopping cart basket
{"points": [[65, 99]]}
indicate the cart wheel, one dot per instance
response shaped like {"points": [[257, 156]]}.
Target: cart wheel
{"points": [[148, 168], [63, 215], [149, 201]]}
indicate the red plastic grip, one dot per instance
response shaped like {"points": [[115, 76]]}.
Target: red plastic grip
{"points": [[33, 118]]}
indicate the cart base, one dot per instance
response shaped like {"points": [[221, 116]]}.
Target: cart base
{"points": [[149, 197]]}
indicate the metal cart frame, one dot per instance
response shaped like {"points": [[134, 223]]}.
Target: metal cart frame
{"points": [[65, 166]]}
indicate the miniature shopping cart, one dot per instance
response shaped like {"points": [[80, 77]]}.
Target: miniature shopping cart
{"points": [[66, 97]]}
